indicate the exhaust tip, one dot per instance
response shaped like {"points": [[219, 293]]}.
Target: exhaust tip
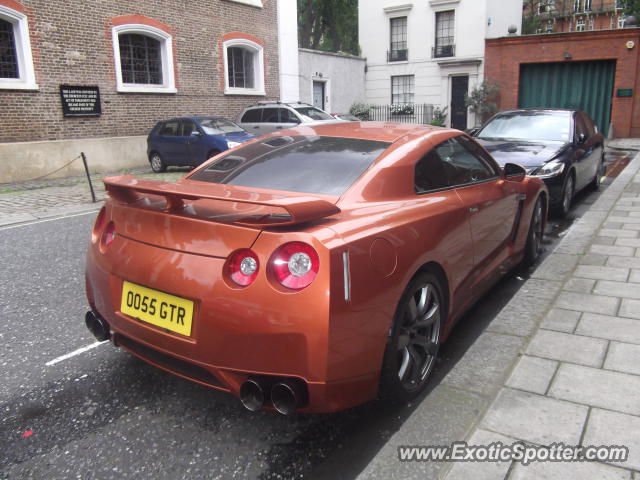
{"points": [[97, 326], [252, 395], [288, 396]]}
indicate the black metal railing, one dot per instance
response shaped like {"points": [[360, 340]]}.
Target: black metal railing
{"points": [[398, 55], [440, 51], [404, 112]]}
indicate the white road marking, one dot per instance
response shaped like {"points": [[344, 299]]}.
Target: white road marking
{"points": [[74, 353], [34, 222]]}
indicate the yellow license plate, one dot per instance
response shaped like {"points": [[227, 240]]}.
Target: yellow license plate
{"points": [[157, 308]]}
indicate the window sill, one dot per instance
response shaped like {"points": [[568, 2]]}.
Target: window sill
{"points": [[11, 84], [252, 3], [145, 89], [244, 91]]}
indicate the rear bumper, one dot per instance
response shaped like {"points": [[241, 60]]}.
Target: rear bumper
{"points": [[236, 334]]}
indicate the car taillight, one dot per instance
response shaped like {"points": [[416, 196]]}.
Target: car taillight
{"points": [[108, 235], [242, 267], [99, 223], [295, 265]]}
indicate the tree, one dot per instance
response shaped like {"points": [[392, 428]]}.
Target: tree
{"points": [[632, 7], [530, 18], [329, 25]]}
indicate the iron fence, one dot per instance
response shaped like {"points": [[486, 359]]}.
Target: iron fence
{"points": [[406, 113]]}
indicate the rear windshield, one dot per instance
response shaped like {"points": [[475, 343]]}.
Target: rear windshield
{"points": [[306, 164]]}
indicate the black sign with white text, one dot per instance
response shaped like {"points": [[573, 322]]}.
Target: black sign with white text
{"points": [[80, 101]]}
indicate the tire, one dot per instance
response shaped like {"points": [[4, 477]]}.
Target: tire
{"points": [[414, 339], [534, 236], [597, 180], [567, 196], [157, 163]]}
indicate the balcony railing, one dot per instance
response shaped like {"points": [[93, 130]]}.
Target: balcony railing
{"points": [[441, 51], [398, 55]]}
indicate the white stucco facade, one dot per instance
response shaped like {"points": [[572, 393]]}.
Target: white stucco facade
{"points": [[288, 50], [474, 21]]}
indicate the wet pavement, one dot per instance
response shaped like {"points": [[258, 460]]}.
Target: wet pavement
{"points": [[106, 414]]}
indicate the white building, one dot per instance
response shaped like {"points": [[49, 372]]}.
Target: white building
{"points": [[430, 51]]}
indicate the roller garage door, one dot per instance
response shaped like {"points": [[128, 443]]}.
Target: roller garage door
{"points": [[584, 86]]}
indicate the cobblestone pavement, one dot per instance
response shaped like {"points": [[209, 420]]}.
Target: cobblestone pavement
{"points": [[27, 201], [577, 380]]}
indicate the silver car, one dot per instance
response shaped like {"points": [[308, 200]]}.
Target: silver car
{"points": [[267, 117]]}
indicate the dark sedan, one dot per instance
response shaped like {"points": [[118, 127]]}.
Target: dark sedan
{"points": [[189, 141], [562, 147]]}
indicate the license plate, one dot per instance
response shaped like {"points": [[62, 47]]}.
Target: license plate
{"points": [[157, 308]]}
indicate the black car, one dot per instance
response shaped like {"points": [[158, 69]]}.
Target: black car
{"points": [[562, 147]]}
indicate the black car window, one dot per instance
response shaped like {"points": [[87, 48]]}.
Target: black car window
{"points": [[270, 115], [431, 173], [580, 127], [187, 127], [251, 116], [170, 129], [588, 124], [477, 151], [287, 116], [465, 168], [306, 164]]}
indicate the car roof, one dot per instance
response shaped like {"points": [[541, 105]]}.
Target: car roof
{"points": [[566, 111], [202, 117], [381, 131]]}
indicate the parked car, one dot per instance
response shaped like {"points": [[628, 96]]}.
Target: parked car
{"points": [[314, 269], [562, 147], [189, 141], [347, 117], [267, 117]]}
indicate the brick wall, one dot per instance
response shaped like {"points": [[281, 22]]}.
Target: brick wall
{"points": [[504, 56], [72, 44]]}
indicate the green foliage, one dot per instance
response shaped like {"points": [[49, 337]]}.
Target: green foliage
{"points": [[329, 25], [403, 109], [361, 110], [632, 7], [439, 116], [482, 99]]}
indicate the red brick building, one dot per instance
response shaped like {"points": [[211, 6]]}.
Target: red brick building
{"points": [[554, 16], [147, 60], [595, 71]]}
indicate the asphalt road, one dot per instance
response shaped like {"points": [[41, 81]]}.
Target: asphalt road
{"points": [[104, 414]]}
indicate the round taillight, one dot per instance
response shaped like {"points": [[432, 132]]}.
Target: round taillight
{"points": [[242, 267], [108, 235], [99, 223], [295, 265]]}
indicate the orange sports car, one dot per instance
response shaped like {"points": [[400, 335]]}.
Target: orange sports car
{"points": [[313, 269]]}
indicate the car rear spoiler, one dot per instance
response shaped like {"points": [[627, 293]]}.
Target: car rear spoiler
{"points": [[129, 189]]}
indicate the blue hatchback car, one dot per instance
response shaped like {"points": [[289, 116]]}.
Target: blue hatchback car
{"points": [[189, 141]]}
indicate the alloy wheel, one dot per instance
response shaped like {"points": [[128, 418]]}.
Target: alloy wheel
{"points": [[567, 195], [419, 336]]}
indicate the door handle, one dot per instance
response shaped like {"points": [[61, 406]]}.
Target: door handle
{"points": [[278, 128], [256, 128], [473, 209]]}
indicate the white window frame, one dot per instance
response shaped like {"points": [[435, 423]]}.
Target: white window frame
{"points": [[27, 76], [580, 25], [166, 51], [253, 3], [258, 67]]}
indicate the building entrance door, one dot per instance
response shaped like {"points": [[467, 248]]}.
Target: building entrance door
{"points": [[459, 91], [318, 94]]}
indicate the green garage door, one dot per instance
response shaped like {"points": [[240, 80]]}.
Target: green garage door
{"points": [[584, 86]]}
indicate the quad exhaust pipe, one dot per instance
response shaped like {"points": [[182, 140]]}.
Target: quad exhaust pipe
{"points": [[98, 326], [286, 396]]}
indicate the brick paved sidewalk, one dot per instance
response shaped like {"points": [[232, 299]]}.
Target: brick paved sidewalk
{"points": [[578, 380], [27, 201]]}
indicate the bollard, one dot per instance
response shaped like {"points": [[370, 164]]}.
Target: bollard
{"points": [[86, 169]]}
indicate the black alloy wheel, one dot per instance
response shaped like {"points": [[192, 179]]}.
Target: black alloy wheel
{"points": [[597, 180], [414, 339], [567, 196], [533, 246]]}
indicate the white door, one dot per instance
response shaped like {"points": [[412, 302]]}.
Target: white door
{"points": [[318, 95]]}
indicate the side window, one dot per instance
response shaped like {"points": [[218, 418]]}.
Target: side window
{"points": [[479, 152], [588, 123], [580, 126], [251, 116], [431, 173], [187, 127], [464, 167], [170, 129], [270, 115], [287, 116]]}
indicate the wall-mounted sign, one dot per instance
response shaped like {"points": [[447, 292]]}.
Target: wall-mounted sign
{"points": [[624, 92], [80, 101]]}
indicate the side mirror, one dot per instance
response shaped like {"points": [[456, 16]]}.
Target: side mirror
{"points": [[581, 138], [514, 172], [195, 133]]}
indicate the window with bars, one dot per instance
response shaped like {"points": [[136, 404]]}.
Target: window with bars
{"points": [[398, 46], [140, 59], [240, 68], [445, 23], [402, 89], [8, 53]]}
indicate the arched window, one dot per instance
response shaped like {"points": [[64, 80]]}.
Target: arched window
{"points": [[143, 59], [244, 67], [16, 63]]}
